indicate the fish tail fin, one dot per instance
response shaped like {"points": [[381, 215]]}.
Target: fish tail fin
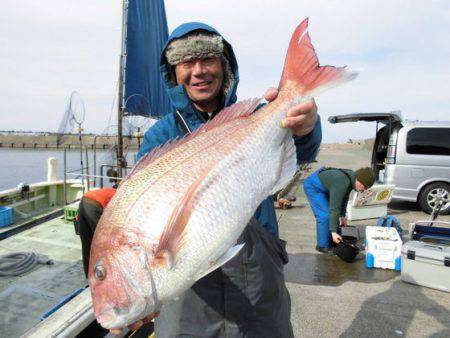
{"points": [[302, 70]]}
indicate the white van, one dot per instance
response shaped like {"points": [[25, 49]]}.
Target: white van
{"points": [[412, 155]]}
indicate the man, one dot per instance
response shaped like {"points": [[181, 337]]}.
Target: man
{"points": [[89, 212], [247, 296], [328, 190]]}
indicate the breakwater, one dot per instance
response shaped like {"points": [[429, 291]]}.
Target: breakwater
{"points": [[69, 141]]}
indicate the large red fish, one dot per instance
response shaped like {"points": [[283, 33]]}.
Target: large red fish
{"points": [[180, 212]]}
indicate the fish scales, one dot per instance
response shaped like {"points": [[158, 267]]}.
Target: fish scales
{"points": [[218, 217]]}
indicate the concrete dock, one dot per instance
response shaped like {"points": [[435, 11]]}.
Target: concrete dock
{"points": [[331, 298]]}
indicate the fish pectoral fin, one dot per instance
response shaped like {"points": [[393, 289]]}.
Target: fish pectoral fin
{"points": [[227, 256], [164, 258], [288, 164], [173, 236]]}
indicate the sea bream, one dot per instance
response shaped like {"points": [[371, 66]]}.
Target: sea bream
{"points": [[178, 214]]}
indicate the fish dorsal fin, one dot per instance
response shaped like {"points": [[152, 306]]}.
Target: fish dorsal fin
{"points": [[227, 256], [151, 156], [240, 109], [172, 238]]}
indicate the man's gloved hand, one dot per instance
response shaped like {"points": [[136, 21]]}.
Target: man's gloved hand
{"points": [[336, 237], [136, 325], [343, 221], [300, 118]]}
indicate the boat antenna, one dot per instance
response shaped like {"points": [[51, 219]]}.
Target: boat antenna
{"points": [[121, 163]]}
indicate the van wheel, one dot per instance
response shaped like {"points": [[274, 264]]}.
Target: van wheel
{"points": [[432, 194]]}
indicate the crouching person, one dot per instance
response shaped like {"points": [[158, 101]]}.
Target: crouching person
{"points": [[328, 190]]}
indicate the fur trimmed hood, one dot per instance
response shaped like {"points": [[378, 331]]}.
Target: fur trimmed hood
{"points": [[176, 93]]}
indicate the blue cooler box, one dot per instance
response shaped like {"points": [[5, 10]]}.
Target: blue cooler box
{"points": [[6, 216]]}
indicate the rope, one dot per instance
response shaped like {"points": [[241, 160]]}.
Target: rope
{"points": [[20, 262]]}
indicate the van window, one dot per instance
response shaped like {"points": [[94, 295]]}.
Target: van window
{"points": [[428, 141]]}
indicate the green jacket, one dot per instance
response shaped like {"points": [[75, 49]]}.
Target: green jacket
{"points": [[339, 189]]}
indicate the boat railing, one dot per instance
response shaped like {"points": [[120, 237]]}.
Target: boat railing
{"points": [[89, 180]]}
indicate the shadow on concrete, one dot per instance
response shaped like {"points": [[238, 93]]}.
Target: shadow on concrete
{"points": [[390, 313], [318, 269]]}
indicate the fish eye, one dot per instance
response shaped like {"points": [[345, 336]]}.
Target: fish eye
{"points": [[99, 272]]}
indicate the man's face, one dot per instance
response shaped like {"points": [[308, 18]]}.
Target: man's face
{"points": [[202, 79], [359, 187]]}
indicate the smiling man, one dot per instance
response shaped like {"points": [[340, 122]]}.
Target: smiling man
{"points": [[202, 80], [246, 297], [201, 67]]}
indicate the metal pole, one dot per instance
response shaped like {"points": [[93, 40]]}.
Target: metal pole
{"points": [[139, 137], [101, 176], [87, 166], [81, 155], [65, 176], [120, 103], [95, 160]]}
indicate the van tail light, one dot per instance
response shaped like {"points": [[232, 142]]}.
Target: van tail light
{"points": [[390, 157]]}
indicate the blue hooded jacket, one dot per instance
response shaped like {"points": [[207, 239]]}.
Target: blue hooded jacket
{"points": [[167, 128]]}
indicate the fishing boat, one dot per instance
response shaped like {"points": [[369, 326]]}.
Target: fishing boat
{"points": [[40, 252], [43, 291]]}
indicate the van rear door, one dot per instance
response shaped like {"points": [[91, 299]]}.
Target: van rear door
{"points": [[384, 118], [391, 120]]}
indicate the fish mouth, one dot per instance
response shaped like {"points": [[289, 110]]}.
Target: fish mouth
{"points": [[117, 318]]}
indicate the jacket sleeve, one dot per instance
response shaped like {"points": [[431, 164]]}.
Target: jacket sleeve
{"points": [[155, 136], [307, 146]]}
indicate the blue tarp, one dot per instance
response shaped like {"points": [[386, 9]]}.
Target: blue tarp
{"points": [[146, 35]]}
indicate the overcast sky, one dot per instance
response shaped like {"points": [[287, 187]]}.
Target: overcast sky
{"points": [[50, 48]]}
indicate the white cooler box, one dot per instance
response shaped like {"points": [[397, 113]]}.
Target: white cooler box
{"points": [[426, 264], [371, 203], [383, 248]]}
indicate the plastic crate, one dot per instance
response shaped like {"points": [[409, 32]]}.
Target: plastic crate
{"points": [[70, 212], [6, 216]]}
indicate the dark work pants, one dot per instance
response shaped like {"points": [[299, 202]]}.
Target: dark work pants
{"points": [[247, 297], [89, 213]]}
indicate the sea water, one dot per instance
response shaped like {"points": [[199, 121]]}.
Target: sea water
{"points": [[30, 165]]}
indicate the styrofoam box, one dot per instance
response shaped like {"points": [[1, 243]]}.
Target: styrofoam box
{"points": [[372, 203], [383, 248]]}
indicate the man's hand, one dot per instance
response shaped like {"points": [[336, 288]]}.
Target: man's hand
{"points": [[136, 325], [300, 118], [343, 221], [336, 238]]}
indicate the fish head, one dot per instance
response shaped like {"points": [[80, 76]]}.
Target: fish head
{"points": [[122, 286]]}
